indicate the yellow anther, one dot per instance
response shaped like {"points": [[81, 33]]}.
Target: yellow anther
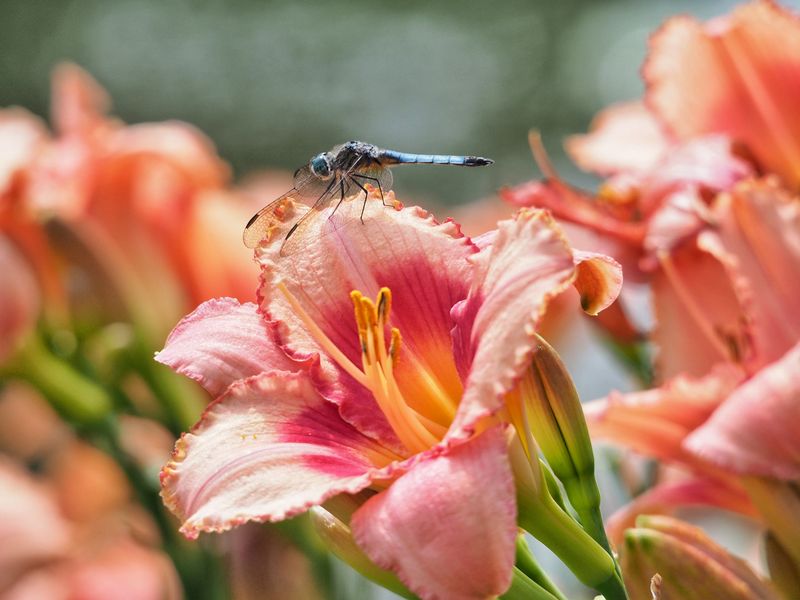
{"points": [[370, 312], [384, 304], [394, 345]]}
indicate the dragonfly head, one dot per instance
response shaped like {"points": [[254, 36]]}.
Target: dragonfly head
{"points": [[321, 165]]}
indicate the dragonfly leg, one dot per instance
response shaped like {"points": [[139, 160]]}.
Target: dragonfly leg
{"points": [[377, 182], [341, 199], [366, 195]]}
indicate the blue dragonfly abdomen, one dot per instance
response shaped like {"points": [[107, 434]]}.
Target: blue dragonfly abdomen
{"points": [[391, 157]]}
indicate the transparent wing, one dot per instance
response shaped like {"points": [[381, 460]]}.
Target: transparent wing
{"points": [[296, 236], [377, 176], [262, 223], [308, 188]]}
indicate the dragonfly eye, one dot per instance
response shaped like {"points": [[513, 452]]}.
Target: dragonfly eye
{"points": [[321, 166]]}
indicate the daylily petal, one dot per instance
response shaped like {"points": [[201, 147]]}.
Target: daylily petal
{"points": [[528, 264], [655, 422], [668, 497], [736, 75], [623, 137], [79, 103], [700, 318], [31, 527], [755, 432], [758, 242], [268, 449], [598, 280], [223, 341], [708, 165], [448, 526], [21, 135], [424, 265]]}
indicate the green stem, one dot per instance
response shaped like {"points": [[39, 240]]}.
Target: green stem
{"points": [[78, 399], [523, 588], [590, 563], [526, 562]]}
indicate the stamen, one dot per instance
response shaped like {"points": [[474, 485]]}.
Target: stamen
{"points": [[378, 363], [416, 432], [322, 339]]}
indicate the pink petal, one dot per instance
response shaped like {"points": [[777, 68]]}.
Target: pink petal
{"points": [[21, 136], [266, 450], [223, 341], [122, 564], [667, 498], [424, 265], [31, 527], [700, 319], [447, 527], [755, 431], [623, 137], [758, 241], [79, 103], [708, 164], [738, 75], [178, 144], [528, 265], [655, 422]]}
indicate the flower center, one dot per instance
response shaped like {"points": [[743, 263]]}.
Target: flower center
{"points": [[379, 355]]}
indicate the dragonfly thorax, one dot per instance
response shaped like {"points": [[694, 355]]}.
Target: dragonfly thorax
{"points": [[321, 165]]}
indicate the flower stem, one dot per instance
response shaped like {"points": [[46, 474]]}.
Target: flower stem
{"points": [[78, 398], [590, 563], [523, 588], [526, 562]]}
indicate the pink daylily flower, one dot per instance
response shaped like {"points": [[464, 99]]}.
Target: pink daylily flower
{"points": [[328, 391]]}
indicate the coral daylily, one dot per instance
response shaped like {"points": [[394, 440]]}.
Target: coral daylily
{"points": [[740, 417], [375, 363], [737, 75]]}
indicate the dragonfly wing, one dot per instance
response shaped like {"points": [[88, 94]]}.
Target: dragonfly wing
{"points": [[377, 176], [262, 223], [296, 236], [309, 187]]}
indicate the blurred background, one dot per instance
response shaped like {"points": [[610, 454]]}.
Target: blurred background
{"points": [[272, 83]]}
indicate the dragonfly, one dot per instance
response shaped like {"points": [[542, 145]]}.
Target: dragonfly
{"points": [[343, 173]]}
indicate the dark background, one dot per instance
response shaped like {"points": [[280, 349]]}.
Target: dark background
{"points": [[273, 83]]}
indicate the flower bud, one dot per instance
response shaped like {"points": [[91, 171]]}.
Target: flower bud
{"points": [[546, 404], [689, 562]]}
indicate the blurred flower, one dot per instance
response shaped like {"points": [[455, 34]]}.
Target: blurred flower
{"points": [[46, 555], [19, 299], [688, 562], [299, 422], [735, 75]]}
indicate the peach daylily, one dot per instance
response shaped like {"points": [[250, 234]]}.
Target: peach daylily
{"points": [[46, 555], [736, 75], [141, 200], [374, 363], [739, 418]]}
